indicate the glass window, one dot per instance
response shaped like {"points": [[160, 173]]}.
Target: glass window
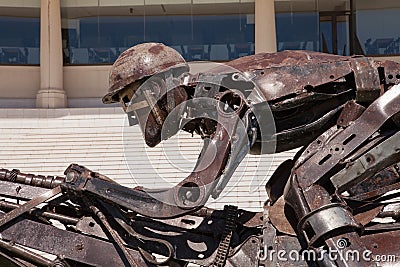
{"points": [[377, 27], [334, 30], [297, 25], [98, 34], [298, 31], [317, 25], [20, 35]]}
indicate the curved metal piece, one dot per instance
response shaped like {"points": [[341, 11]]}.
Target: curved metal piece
{"points": [[192, 192], [141, 61], [146, 255]]}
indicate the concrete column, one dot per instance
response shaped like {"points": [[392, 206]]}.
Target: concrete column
{"points": [[51, 93], [265, 31]]}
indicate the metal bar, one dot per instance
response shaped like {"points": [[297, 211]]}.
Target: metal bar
{"points": [[20, 191], [26, 254], [16, 176], [379, 157], [29, 205], [38, 212], [73, 246], [349, 139], [99, 214]]}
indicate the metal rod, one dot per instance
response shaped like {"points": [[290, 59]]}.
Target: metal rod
{"points": [[26, 254], [37, 212], [29, 205], [99, 214], [31, 179]]}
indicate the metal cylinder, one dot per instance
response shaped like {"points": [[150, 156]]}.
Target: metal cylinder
{"points": [[30, 179]]}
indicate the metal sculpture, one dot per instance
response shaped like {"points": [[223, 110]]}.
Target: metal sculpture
{"points": [[334, 204]]}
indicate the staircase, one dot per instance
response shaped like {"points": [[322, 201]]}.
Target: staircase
{"points": [[46, 141]]}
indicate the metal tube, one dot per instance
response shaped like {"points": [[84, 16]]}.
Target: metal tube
{"points": [[37, 212], [30, 179], [25, 254], [99, 214]]}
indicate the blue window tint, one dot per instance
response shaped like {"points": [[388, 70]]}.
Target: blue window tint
{"points": [[202, 37], [378, 31], [20, 40], [99, 40], [297, 31]]}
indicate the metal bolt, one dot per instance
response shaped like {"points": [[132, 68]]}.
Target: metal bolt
{"points": [[70, 177], [79, 247], [188, 194]]}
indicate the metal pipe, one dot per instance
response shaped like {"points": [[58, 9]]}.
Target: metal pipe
{"points": [[26, 254], [37, 212], [99, 214], [31, 179]]}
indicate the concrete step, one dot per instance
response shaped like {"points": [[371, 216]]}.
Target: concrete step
{"points": [[47, 141]]}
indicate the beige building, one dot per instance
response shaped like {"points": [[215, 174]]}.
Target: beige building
{"points": [[57, 53], [55, 56]]}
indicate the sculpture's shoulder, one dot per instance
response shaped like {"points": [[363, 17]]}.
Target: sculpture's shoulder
{"points": [[283, 59]]}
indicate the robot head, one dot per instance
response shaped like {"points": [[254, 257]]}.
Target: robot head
{"points": [[144, 80]]}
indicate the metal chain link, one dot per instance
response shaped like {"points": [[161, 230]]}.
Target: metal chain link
{"points": [[223, 247]]}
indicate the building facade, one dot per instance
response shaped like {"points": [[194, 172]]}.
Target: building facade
{"points": [[57, 53]]}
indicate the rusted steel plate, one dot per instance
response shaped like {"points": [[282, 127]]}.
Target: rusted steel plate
{"points": [[366, 78], [278, 82], [385, 246], [74, 246], [283, 58], [289, 72], [141, 61], [279, 218], [346, 141], [392, 71]]}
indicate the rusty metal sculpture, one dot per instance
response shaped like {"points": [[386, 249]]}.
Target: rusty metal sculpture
{"points": [[334, 204]]}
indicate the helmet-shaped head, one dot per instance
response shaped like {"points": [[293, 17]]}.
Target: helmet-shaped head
{"points": [[144, 80], [138, 62]]}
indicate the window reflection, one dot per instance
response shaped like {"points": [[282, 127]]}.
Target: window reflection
{"points": [[297, 25], [194, 30], [335, 32], [378, 32], [223, 30], [19, 42], [316, 25], [297, 31]]}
